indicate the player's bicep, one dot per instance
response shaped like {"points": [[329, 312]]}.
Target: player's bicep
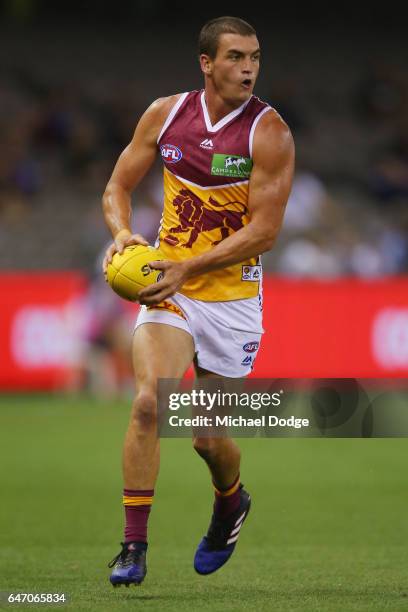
{"points": [[272, 173]]}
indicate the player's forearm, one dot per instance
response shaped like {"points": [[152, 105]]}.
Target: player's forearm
{"points": [[248, 242], [117, 209]]}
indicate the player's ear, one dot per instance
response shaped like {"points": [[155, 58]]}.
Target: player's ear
{"points": [[205, 63]]}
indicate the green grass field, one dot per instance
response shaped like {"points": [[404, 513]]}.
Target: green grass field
{"points": [[328, 528]]}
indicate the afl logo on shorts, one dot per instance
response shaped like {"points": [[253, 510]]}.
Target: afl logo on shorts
{"points": [[251, 347], [170, 153]]}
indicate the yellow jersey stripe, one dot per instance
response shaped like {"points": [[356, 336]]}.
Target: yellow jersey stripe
{"points": [[204, 187]]}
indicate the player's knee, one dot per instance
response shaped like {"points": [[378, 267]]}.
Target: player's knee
{"points": [[205, 447], [144, 411]]}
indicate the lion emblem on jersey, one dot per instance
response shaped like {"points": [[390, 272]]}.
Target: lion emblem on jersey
{"points": [[196, 216]]}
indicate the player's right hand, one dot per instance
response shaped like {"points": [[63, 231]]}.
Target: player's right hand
{"points": [[123, 239]]}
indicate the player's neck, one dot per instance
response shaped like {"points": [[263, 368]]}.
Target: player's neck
{"points": [[217, 107]]}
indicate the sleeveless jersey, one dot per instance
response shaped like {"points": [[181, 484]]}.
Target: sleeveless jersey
{"points": [[206, 178]]}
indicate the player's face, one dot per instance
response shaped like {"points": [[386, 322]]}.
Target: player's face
{"points": [[236, 66]]}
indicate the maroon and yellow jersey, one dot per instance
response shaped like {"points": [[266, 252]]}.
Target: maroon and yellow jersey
{"points": [[206, 177]]}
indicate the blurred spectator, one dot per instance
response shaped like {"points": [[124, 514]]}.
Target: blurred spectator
{"points": [[310, 205], [285, 98], [19, 169], [57, 118], [308, 257], [382, 93], [14, 210], [389, 173]]}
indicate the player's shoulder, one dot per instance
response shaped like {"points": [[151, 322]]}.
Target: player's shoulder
{"points": [[272, 132], [161, 107], [154, 117], [272, 121]]}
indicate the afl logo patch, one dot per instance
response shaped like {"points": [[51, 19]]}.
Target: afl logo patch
{"points": [[170, 153], [251, 347]]}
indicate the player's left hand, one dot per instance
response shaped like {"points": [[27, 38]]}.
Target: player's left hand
{"points": [[175, 275]]}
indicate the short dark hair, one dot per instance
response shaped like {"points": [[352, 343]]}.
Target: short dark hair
{"points": [[212, 30]]}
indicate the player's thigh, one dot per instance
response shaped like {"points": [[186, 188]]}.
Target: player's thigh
{"points": [[160, 351]]}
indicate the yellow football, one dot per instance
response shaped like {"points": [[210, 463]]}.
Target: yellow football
{"points": [[130, 272]]}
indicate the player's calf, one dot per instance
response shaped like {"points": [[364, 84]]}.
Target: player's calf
{"points": [[221, 455]]}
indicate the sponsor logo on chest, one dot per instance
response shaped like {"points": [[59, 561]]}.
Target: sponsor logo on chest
{"points": [[222, 165], [235, 166]]}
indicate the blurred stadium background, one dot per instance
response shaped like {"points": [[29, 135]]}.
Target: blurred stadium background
{"points": [[74, 83], [75, 78]]}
